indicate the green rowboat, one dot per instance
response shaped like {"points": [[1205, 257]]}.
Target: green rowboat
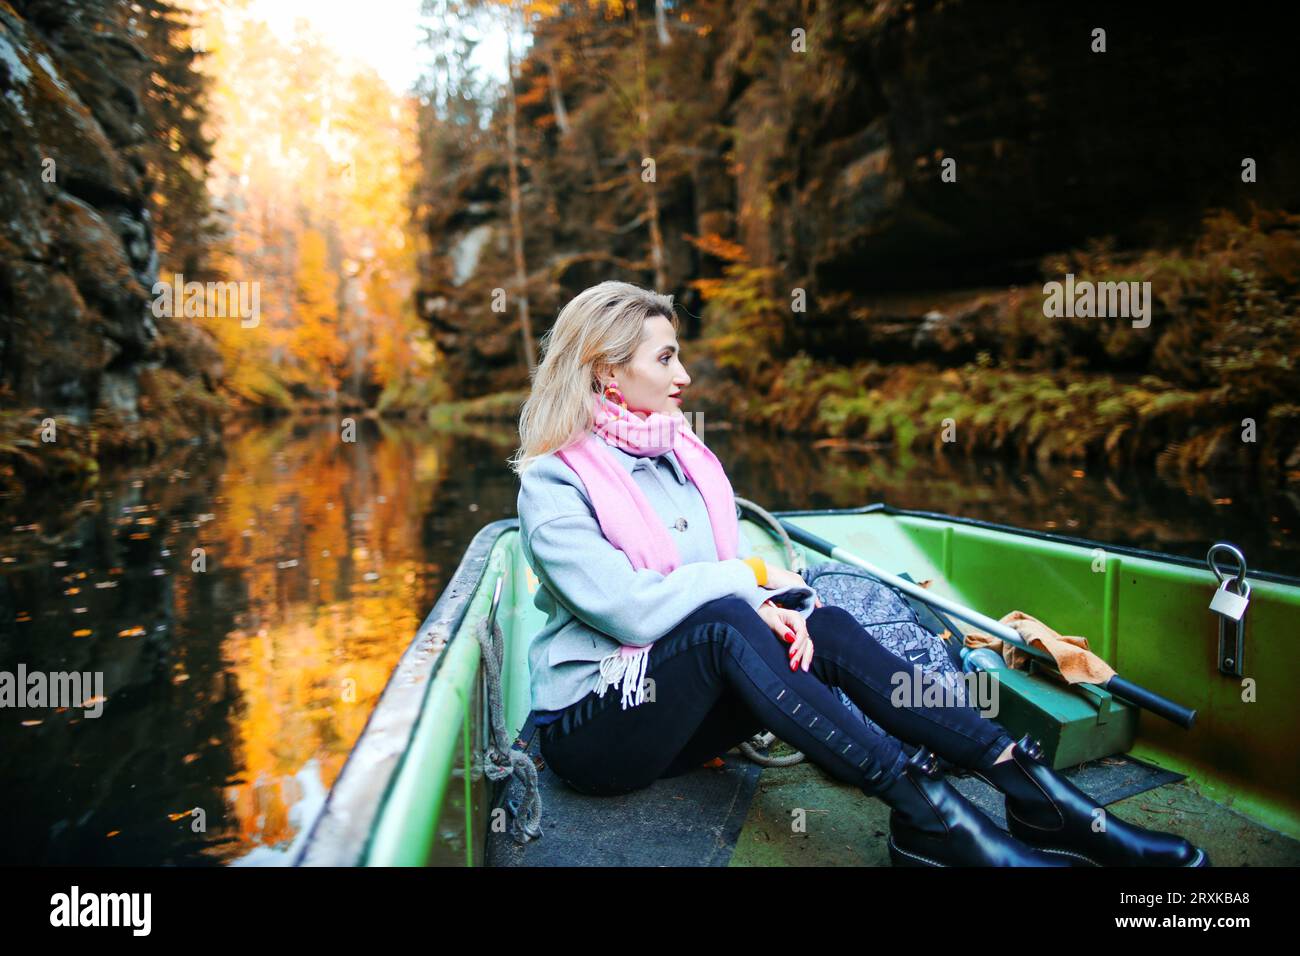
{"points": [[414, 792]]}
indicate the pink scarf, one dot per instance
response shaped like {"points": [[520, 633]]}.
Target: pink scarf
{"points": [[626, 517]]}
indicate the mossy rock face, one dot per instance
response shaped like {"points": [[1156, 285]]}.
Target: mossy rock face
{"points": [[77, 253], [75, 203]]}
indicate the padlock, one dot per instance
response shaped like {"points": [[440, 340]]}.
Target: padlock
{"points": [[1229, 604]]}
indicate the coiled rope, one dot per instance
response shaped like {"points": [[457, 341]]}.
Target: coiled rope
{"points": [[501, 759]]}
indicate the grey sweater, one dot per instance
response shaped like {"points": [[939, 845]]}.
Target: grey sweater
{"points": [[594, 600]]}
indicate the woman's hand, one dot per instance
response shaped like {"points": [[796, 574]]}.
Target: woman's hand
{"points": [[790, 627]]}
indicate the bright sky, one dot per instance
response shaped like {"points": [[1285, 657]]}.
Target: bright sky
{"points": [[382, 33]]}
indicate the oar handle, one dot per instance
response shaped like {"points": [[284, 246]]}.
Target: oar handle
{"points": [[1124, 689], [1149, 700], [808, 539]]}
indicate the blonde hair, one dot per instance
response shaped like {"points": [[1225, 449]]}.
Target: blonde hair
{"points": [[600, 327]]}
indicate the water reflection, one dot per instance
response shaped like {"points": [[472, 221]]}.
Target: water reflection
{"points": [[246, 607], [246, 611]]}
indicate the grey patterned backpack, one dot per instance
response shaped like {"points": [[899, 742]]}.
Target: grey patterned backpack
{"points": [[906, 627]]}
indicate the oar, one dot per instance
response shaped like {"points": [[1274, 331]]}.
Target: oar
{"points": [[1124, 689]]}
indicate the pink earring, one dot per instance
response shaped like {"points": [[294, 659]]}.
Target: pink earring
{"points": [[613, 393]]}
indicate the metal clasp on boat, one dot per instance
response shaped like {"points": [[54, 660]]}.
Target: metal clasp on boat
{"points": [[1230, 602]]}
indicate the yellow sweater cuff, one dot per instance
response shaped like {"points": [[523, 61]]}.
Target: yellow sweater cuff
{"points": [[759, 568]]}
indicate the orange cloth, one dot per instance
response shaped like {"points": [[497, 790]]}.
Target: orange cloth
{"points": [[1077, 664]]}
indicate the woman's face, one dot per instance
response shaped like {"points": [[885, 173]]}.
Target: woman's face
{"points": [[655, 375]]}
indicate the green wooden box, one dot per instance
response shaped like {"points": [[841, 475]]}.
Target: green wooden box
{"points": [[1073, 722]]}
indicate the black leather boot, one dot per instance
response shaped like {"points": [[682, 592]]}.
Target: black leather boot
{"points": [[931, 824], [1048, 812]]}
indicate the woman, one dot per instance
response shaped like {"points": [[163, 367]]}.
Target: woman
{"points": [[629, 522]]}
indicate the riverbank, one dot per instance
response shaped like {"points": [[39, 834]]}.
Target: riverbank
{"points": [[41, 448], [49, 459], [500, 407], [1200, 376]]}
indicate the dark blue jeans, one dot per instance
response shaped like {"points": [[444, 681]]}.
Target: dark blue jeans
{"points": [[722, 675]]}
